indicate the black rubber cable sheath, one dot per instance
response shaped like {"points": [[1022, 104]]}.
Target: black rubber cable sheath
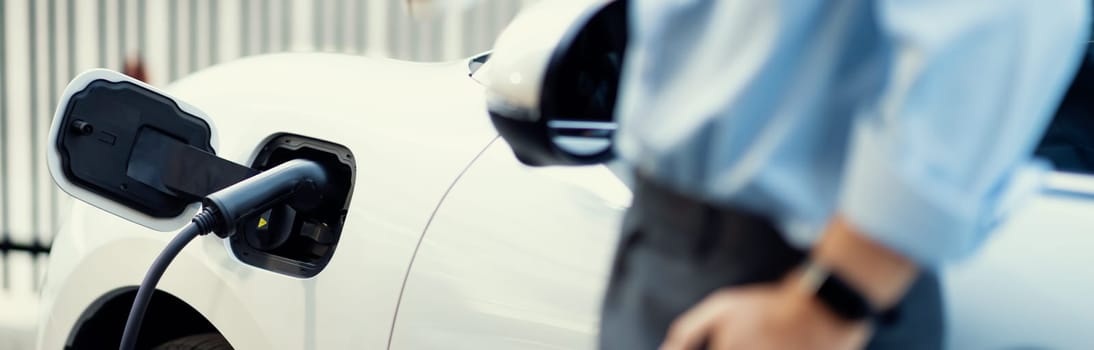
{"points": [[200, 225]]}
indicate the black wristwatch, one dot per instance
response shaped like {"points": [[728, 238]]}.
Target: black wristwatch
{"points": [[842, 299]]}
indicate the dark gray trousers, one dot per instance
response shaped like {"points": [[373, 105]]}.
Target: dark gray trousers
{"points": [[675, 251]]}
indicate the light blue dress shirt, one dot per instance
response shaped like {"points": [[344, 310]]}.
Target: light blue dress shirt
{"points": [[915, 119]]}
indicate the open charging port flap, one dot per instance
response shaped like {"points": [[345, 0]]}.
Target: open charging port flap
{"points": [[134, 151]]}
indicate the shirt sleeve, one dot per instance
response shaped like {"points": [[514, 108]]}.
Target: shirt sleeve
{"points": [[971, 86]]}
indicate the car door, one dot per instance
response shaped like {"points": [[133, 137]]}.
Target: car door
{"points": [[516, 257]]}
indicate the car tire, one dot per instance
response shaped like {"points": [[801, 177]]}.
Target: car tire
{"points": [[204, 341]]}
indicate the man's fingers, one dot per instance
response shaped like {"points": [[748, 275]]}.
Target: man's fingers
{"points": [[693, 327]]}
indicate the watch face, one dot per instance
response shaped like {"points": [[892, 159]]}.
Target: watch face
{"points": [[844, 301]]}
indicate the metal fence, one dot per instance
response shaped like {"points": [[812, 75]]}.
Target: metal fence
{"points": [[44, 43]]}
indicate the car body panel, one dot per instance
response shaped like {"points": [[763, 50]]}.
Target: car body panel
{"points": [[1029, 286], [516, 257], [408, 153]]}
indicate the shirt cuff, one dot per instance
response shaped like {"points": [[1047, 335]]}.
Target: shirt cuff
{"points": [[891, 198]]}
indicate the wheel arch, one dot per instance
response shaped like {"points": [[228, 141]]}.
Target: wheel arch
{"points": [[100, 326]]}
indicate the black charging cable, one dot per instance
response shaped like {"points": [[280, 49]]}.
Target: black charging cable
{"points": [[299, 183], [199, 225]]}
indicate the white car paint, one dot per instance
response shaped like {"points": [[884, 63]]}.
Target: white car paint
{"points": [[1030, 286], [515, 258], [407, 152]]}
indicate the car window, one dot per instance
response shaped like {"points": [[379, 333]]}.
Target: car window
{"points": [[1069, 139]]}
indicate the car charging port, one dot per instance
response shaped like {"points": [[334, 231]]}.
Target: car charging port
{"points": [[284, 238]]}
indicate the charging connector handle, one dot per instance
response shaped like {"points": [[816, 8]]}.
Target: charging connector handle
{"points": [[299, 183]]}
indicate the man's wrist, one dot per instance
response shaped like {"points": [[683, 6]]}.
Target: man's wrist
{"points": [[803, 301], [878, 273], [837, 296]]}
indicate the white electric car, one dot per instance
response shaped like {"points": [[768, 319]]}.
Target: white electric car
{"points": [[441, 238]]}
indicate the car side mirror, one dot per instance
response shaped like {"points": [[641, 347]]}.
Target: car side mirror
{"points": [[553, 80], [134, 151]]}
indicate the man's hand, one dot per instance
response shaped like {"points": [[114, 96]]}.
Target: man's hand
{"points": [[785, 315], [767, 316]]}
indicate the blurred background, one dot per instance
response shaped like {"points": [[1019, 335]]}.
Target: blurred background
{"points": [[44, 43]]}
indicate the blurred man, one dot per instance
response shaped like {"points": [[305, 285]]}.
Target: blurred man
{"points": [[805, 167]]}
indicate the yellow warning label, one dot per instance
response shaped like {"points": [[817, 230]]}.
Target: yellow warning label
{"points": [[262, 222]]}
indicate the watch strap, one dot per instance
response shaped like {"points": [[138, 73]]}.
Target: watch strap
{"points": [[843, 299]]}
